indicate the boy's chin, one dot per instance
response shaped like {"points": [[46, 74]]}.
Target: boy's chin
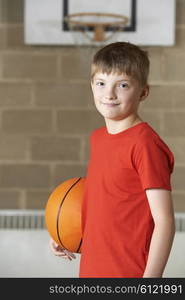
{"points": [[106, 114], [113, 118]]}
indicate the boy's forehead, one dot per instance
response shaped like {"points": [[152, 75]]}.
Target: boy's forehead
{"points": [[114, 75]]}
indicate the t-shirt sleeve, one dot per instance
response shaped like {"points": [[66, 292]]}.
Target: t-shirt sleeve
{"points": [[154, 163]]}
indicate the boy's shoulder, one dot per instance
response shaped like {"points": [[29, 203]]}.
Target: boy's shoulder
{"points": [[149, 138], [98, 132], [146, 134]]}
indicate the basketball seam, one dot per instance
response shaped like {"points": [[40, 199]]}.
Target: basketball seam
{"points": [[60, 207], [79, 246]]}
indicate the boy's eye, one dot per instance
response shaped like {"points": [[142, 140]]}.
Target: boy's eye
{"points": [[123, 85], [99, 83]]}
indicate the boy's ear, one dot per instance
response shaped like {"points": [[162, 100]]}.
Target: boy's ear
{"points": [[91, 83], [144, 93]]}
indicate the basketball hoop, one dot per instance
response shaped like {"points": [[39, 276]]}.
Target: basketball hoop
{"points": [[100, 23]]}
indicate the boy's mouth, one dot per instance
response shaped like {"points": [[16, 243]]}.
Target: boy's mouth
{"points": [[110, 104]]}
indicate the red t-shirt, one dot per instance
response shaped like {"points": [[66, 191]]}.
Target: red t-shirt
{"points": [[117, 224]]}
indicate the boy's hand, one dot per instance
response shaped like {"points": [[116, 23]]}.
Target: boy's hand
{"points": [[59, 251]]}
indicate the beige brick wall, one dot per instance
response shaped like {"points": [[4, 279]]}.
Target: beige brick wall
{"points": [[47, 112]]}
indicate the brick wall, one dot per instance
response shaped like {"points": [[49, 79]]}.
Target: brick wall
{"points": [[47, 112]]}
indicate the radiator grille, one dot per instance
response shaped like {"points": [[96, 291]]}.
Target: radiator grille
{"points": [[35, 219], [180, 221], [22, 219]]}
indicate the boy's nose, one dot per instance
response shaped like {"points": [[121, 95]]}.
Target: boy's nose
{"points": [[110, 94]]}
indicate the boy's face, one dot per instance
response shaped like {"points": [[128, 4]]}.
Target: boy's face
{"points": [[117, 96]]}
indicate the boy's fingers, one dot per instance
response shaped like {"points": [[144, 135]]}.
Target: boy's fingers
{"points": [[59, 251], [62, 253], [65, 252], [69, 253], [64, 256]]}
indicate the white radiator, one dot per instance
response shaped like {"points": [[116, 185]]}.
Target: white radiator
{"points": [[22, 219], [35, 219], [180, 221], [25, 252]]}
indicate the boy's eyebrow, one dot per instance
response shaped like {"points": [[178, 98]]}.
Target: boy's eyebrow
{"points": [[123, 80], [99, 78]]}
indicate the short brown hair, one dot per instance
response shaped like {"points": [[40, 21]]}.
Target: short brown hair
{"points": [[122, 57]]}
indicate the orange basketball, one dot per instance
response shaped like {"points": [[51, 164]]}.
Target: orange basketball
{"points": [[63, 214]]}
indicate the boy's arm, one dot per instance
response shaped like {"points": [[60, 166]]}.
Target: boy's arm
{"points": [[161, 206]]}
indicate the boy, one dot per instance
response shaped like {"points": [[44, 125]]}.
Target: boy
{"points": [[127, 212]]}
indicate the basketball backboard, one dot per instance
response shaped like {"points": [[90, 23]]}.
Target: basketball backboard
{"points": [[149, 22]]}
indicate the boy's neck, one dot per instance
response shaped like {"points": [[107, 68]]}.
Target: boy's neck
{"points": [[116, 126]]}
